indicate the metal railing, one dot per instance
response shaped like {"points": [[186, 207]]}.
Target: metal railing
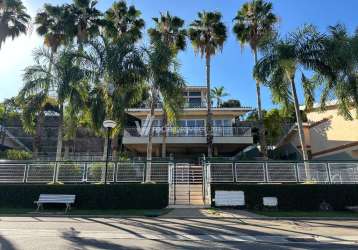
{"points": [[284, 172], [191, 131], [339, 172]]}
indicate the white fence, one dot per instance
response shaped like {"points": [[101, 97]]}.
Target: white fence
{"points": [[216, 172]]}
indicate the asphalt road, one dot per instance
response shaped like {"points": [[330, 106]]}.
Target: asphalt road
{"points": [[166, 233]]}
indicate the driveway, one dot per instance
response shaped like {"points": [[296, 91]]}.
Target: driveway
{"points": [[174, 233]]}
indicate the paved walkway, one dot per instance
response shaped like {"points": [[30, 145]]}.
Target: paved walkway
{"points": [[33, 233], [210, 213]]}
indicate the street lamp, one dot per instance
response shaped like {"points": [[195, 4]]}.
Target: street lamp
{"points": [[108, 124]]}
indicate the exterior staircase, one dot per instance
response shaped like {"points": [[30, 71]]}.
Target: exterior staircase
{"points": [[186, 189]]}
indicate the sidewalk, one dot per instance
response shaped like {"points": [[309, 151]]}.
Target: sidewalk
{"points": [[202, 213]]}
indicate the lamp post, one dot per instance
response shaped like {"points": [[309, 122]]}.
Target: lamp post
{"points": [[109, 125]]}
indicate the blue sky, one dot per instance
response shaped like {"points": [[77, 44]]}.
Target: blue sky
{"points": [[232, 68]]}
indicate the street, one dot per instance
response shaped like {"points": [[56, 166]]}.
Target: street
{"points": [[169, 233]]}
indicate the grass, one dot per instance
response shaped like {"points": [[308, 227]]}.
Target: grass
{"points": [[79, 212], [308, 213]]}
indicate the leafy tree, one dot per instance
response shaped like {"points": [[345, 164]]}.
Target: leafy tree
{"points": [[33, 109], [231, 103], [115, 74], [208, 34], [169, 29], [163, 81], [65, 78], [123, 20], [338, 73], [254, 25], [13, 19], [279, 64], [218, 93]]}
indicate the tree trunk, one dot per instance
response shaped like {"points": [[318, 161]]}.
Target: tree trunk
{"points": [[262, 130], [36, 146], [115, 148], [150, 137], [208, 120], [60, 135], [299, 120], [164, 130], [105, 148]]}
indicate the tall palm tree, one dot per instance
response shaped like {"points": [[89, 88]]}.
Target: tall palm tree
{"points": [[163, 82], [65, 78], [279, 64], [339, 75], [123, 21], [13, 19], [84, 19], [169, 29], [218, 93], [254, 24], [33, 115], [115, 75], [208, 34]]}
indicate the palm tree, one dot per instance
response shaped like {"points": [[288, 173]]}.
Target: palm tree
{"points": [[208, 34], [279, 64], [13, 19], [254, 24], [116, 72], [169, 29], [163, 82], [338, 75], [84, 19], [33, 115], [122, 20], [218, 93], [65, 78]]}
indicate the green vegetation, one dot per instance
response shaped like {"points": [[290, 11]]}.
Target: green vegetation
{"points": [[96, 66], [14, 154], [88, 197], [296, 197]]}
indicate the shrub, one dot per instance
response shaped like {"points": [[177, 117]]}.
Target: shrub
{"points": [[114, 196], [14, 154], [296, 196]]}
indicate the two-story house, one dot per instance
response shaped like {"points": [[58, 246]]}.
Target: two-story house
{"points": [[187, 138]]}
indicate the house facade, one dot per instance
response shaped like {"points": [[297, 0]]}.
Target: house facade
{"points": [[328, 136], [188, 138]]}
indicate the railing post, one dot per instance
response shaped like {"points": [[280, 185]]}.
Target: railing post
{"points": [[266, 172], [115, 171], [297, 173], [25, 172], [329, 173]]}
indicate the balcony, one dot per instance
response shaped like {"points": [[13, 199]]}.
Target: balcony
{"points": [[190, 131]]}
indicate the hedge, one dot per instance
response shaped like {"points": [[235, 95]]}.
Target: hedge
{"points": [[299, 197], [114, 196]]}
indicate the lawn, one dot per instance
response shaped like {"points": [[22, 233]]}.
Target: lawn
{"points": [[308, 213], [83, 212]]}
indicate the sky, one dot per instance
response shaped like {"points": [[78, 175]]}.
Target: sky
{"points": [[232, 68]]}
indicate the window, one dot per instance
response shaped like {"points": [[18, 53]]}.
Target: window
{"points": [[194, 102], [194, 93]]}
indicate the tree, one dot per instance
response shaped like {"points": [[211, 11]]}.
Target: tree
{"points": [[122, 20], [33, 109], [169, 29], [115, 75], [84, 20], [279, 64], [231, 103], [254, 24], [338, 73], [208, 34], [13, 19], [65, 78], [218, 93], [164, 82]]}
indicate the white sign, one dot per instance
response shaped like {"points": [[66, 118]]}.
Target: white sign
{"points": [[229, 198], [270, 201]]}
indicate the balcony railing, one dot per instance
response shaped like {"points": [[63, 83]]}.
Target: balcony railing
{"points": [[186, 105], [190, 131]]}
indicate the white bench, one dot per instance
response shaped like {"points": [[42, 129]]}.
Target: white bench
{"points": [[67, 199]]}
